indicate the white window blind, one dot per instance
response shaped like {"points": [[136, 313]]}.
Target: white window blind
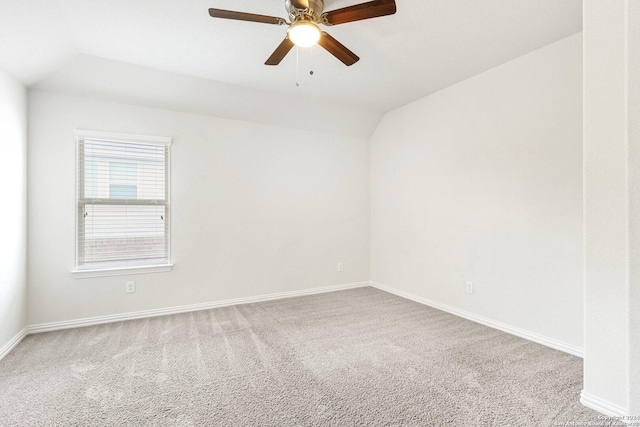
{"points": [[122, 201]]}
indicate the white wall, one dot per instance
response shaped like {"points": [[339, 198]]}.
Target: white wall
{"points": [[612, 205], [633, 121], [482, 182], [13, 214], [256, 209], [605, 202]]}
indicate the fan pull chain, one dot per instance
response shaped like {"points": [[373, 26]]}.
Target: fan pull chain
{"points": [[297, 66], [311, 61]]}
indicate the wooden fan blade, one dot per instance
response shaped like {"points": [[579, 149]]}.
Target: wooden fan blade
{"points": [[372, 9], [241, 16], [300, 4], [337, 49], [280, 52]]}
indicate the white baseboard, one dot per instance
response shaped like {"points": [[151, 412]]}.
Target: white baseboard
{"points": [[12, 343], [540, 339], [602, 406], [91, 321]]}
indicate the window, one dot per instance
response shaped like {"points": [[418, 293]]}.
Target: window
{"points": [[122, 203]]}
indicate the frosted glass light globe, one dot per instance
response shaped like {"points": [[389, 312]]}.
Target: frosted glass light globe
{"points": [[304, 33]]}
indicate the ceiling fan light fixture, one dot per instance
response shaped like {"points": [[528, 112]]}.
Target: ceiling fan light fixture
{"points": [[305, 16], [304, 33]]}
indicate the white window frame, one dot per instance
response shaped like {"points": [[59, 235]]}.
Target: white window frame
{"points": [[82, 134]]}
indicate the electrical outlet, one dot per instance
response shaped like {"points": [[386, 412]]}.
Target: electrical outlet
{"points": [[131, 287], [340, 266], [470, 287]]}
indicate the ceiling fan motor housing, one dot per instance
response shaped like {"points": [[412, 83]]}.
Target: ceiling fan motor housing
{"points": [[316, 7]]}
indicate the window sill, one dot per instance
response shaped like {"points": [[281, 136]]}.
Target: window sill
{"points": [[121, 271]]}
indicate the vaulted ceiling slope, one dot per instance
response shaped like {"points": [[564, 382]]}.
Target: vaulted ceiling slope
{"points": [[426, 46], [133, 84]]}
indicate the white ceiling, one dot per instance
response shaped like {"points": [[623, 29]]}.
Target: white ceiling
{"points": [[115, 81], [426, 46]]}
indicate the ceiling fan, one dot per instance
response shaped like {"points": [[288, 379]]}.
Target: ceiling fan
{"points": [[305, 16]]}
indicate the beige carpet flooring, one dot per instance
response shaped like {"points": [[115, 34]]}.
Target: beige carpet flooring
{"points": [[360, 357]]}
